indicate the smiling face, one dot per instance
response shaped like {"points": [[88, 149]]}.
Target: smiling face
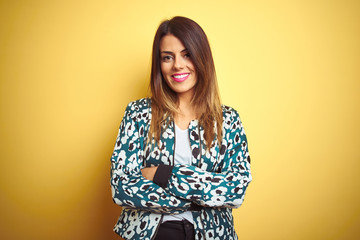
{"points": [[177, 67]]}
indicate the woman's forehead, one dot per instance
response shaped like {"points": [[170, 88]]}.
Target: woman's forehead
{"points": [[170, 43]]}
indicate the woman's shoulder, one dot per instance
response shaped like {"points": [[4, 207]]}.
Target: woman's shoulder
{"points": [[231, 120], [229, 113], [139, 105]]}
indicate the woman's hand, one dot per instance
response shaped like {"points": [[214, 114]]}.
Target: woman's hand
{"points": [[149, 172]]}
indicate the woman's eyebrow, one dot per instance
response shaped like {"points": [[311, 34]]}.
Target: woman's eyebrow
{"points": [[169, 52]]}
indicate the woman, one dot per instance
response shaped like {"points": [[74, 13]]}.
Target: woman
{"points": [[180, 162]]}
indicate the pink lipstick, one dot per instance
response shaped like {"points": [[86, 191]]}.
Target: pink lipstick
{"points": [[180, 77]]}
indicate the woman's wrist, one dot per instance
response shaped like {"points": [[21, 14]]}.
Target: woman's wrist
{"points": [[149, 172]]}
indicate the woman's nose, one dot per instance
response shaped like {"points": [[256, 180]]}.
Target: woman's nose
{"points": [[179, 63]]}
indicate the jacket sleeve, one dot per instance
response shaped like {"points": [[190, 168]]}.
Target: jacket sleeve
{"points": [[211, 189], [129, 188]]}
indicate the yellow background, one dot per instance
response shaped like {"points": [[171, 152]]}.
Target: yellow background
{"points": [[68, 69]]}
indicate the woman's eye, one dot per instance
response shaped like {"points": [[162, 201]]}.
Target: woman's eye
{"points": [[167, 58], [187, 55]]}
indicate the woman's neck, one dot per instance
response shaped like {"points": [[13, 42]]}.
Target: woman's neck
{"points": [[186, 112]]}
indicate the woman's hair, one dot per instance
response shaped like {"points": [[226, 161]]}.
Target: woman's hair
{"points": [[206, 99]]}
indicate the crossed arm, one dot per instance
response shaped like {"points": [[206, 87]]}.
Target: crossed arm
{"points": [[136, 187]]}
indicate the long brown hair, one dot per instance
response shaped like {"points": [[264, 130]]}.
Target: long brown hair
{"points": [[206, 99]]}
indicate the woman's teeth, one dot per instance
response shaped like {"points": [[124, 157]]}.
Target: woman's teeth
{"points": [[180, 76]]}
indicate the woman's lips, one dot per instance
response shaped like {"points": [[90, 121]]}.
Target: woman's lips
{"points": [[180, 77]]}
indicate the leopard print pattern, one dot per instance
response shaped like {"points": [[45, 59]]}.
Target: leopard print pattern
{"points": [[216, 180]]}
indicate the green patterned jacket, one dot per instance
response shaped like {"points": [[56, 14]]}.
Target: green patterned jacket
{"points": [[211, 186]]}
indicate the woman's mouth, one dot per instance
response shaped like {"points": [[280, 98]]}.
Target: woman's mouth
{"points": [[180, 77]]}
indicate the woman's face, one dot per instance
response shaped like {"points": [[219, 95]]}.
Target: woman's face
{"points": [[176, 66]]}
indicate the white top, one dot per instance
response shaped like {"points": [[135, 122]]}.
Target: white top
{"points": [[182, 156]]}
